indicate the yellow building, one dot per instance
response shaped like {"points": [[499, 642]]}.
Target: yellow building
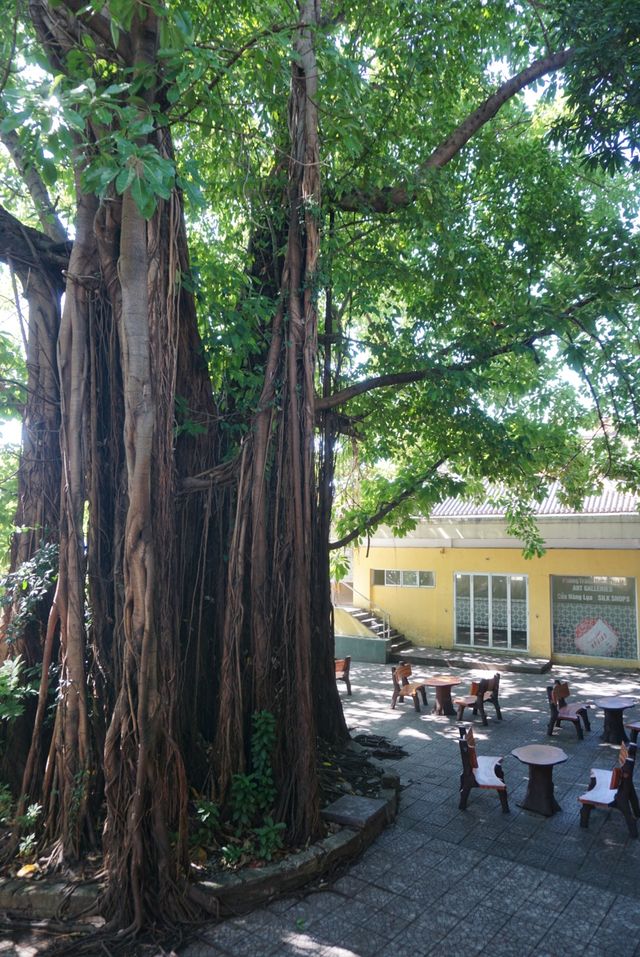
{"points": [[460, 581]]}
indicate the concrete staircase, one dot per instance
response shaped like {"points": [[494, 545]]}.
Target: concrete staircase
{"points": [[399, 643]]}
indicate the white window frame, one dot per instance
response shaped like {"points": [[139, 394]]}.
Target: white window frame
{"points": [[489, 576], [407, 571]]}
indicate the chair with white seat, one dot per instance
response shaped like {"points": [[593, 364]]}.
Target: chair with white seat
{"points": [[614, 789], [479, 771]]}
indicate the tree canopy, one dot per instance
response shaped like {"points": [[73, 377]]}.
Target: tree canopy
{"points": [[285, 266]]}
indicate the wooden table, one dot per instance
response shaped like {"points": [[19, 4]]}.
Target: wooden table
{"points": [[443, 685], [541, 759], [613, 707]]}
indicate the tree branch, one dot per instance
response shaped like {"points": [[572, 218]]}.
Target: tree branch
{"points": [[376, 382], [60, 30], [420, 375], [439, 372], [219, 475], [374, 520], [390, 198], [37, 190], [100, 26], [28, 249]]}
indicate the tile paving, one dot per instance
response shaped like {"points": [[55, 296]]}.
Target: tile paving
{"points": [[479, 882], [443, 881]]}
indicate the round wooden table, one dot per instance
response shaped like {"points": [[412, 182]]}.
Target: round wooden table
{"points": [[613, 731], [541, 759], [443, 685]]}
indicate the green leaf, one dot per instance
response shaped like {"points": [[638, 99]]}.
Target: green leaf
{"points": [[13, 122], [184, 23], [75, 119], [143, 197], [115, 32], [49, 172], [124, 179]]}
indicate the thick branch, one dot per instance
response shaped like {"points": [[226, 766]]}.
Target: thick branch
{"points": [[100, 26], [37, 190], [391, 198], [28, 249], [374, 520], [60, 30], [420, 375], [376, 382], [219, 476], [439, 372]]}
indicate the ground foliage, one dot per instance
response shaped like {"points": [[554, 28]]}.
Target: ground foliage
{"points": [[369, 254]]}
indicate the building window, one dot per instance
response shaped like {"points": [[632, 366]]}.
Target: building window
{"points": [[491, 611], [594, 616], [403, 579]]}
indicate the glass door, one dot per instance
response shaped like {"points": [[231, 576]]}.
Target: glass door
{"points": [[463, 609], [518, 611], [499, 612], [491, 611], [481, 621]]}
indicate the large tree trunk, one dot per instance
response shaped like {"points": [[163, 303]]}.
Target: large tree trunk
{"points": [[65, 789], [38, 263], [145, 779], [267, 661], [330, 719], [164, 540]]}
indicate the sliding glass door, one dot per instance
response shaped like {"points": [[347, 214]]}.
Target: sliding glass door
{"points": [[491, 611]]}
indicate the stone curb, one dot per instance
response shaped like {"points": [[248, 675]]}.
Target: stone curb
{"points": [[232, 893], [236, 893], [453, 659], [49, 899]]}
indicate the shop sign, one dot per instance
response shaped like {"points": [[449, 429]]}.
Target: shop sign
{"points": [[594, 616]]}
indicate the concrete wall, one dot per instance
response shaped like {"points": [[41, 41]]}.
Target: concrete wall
{"points": [[426, 615]]}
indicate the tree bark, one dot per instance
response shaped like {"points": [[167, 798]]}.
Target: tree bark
{"points": [[38, 262], [267, 656]]}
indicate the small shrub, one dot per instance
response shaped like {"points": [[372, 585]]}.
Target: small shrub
{"points": [[243, 800], [233, 854], [28, 586], [253, 833], [27, 846], [12, 691], [208, 817], [268, 839]]}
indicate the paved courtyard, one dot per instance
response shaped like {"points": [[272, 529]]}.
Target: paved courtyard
{"points": [[448, 882]]}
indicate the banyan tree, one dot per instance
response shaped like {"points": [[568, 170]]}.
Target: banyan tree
{"points": [[248, 242]]}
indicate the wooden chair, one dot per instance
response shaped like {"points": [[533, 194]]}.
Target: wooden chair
{"points": [[479, 772], [557, 694], [480, 691], [403, 688], [614, 789], [342, 671]]}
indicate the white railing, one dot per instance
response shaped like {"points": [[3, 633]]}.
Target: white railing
{"points": [[375, 610]]}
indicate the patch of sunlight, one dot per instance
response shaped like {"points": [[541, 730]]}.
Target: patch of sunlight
{"points": [[304, 944], [415, 733], [10, 432]]}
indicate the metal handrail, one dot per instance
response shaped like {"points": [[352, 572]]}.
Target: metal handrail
{"points": [[376, 610]]}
